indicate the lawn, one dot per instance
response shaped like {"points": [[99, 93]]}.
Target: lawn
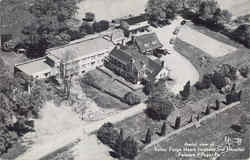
{"points": [[105, 82], [202, 61], [206, 43], [101, 99], [213, 130], [215, 35]]}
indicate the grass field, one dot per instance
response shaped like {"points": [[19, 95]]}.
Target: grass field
{"points": [[194, 55], [238, 8], [102, 99], [207, 44]]}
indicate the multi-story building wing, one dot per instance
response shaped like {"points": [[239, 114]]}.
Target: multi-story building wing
{"points": [[76, 57]]}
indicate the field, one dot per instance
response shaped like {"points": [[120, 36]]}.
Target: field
{"points": [[111, 9], [205, 43], [238, 8]]}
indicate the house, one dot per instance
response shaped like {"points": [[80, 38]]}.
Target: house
{"points": [[74, 58], [132, 25], [134, 66], [116, 36], [147, 43]]}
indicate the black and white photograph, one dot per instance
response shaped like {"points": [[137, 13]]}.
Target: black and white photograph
{"points": [[124, 80]]}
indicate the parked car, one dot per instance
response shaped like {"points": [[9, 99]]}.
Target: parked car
{"points": [[171, 41], [162, 51], [154, 24], [176, 31], [157, 54], [183, 22]]}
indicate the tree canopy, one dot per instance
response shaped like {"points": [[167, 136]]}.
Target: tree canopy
{"points": [[49, 26]]}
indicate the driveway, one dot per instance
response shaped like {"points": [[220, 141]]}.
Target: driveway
{"points": [[181, 70]]}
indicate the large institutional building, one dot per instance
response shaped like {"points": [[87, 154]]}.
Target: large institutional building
{"points": [[74, 58]]}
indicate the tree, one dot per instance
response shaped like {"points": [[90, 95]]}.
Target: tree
{"points": [[70, 68], [217, 104], [207, 10], [89, 16], [159, 108], [50, 17], [205, 83], [221, 17], [108, 135], [101, 26], [87, 28], [163, 129], [119, 143], [160, 10], [129, 148], [148, 136], [219, 80], [207, 111], [63, 10], [186, 91], [242, 34], [131, 98], [244, 71], [177, 122]]}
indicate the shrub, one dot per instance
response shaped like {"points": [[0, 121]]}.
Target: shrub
{"points": [[86, 28], [159, 109], [89, 16], [228, 71], [108, 135], [148, 136], [101, 26], [205, 83], [129, 148], [218, 80], [233, 97], [242, 34], [131, 98]]}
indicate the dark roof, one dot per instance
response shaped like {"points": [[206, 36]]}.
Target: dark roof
{"points": [[148, 42], [125, 55], [136, 19]]}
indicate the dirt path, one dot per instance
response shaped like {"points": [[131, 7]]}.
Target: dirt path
{"points": [[191, 125]]}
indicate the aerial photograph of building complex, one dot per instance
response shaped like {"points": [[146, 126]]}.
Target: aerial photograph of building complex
{"points": [[124, 80]]}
